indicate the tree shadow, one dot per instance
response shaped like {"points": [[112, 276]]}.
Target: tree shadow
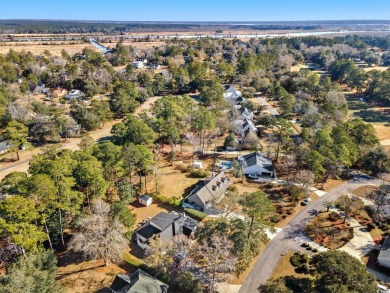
{"points": [[103, 290], [373, 116], [61, 276], [69, 257]]}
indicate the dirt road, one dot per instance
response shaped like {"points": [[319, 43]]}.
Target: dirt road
{"points": [[72, 144]]}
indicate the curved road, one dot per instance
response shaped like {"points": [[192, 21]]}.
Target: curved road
{"points": [[269, 258]]}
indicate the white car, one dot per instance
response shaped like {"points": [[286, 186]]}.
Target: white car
{"points": [[306, 201]]}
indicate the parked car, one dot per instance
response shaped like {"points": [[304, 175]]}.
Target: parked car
{"points": [[306, 201], [254, 176]]}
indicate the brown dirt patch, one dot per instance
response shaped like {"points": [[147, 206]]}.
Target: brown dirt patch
{"points": [[364, 191], [88, 276], [332, 234], [330, 184], [143, 213]]}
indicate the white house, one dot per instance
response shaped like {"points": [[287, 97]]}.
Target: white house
{"points": [[257, 164], [384, 254], [243, 112], [145, 200], [244, 126], [74, 95], [138, 64], [233, 96], [198, 165]]}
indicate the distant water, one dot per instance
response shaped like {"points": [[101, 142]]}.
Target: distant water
{"points": [[99, 46]]}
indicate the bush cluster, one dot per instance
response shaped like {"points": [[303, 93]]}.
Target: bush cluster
{"points": [[197, 215], [172, 201]]}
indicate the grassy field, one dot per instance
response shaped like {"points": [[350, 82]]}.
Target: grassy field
{"points": [[377, 115]]}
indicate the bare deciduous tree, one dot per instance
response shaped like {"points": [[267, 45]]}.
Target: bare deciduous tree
{"points": [[305, 178], [99, 237], [218, 260]]}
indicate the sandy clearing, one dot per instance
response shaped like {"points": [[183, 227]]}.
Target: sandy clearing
{"points": [[385, 142]]}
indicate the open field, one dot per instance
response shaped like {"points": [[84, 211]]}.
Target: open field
{"points": [[55, 48], [38, 49]]}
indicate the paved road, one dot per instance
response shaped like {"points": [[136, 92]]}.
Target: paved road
{"points": [[268, 260]]}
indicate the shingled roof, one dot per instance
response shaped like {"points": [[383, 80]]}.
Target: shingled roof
{"points": [[214, 190], [139, 282], [257, 158], [384, 254]]}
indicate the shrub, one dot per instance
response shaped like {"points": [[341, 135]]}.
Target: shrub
{"points": [[371, 226], [298, 259], [183, 168], [305, 268], [199, 173], [295, 260], [197, 215], [173, 201], [275, 218], [333, 216]]}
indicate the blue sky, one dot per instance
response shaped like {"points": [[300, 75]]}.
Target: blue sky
{"points": [[195, 10]]}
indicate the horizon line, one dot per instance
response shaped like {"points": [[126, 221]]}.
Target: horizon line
{"points": [[187, 21]]}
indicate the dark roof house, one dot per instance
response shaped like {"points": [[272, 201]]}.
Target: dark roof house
{"points": [[257, 164], [166, 226], [384, 254], [210, 190], [139, 282]]}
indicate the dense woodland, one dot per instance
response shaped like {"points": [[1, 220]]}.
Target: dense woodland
{"points": [[87, 191]]}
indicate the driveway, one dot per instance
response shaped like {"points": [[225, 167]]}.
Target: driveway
{"points": [[361, 243], [286, 239], [268, 106]]}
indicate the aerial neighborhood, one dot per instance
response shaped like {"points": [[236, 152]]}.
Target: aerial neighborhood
{"points": [[192, 157]]}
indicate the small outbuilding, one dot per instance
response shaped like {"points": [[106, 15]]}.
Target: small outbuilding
{"points": [[145, 200], [198, 165]]}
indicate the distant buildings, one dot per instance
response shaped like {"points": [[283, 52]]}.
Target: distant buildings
{"points": [[242, 116], [210, 190], [233, 96], [74, 95], [138, 64], [41, 89]]}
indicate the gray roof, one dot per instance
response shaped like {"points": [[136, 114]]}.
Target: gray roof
{"points": [[214, 189], [139, 282], [4, 146], [258, 159], [145, 197], [385, 250], [163, 220]]}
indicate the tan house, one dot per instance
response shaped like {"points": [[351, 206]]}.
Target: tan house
{"points": [[209, 190]]}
